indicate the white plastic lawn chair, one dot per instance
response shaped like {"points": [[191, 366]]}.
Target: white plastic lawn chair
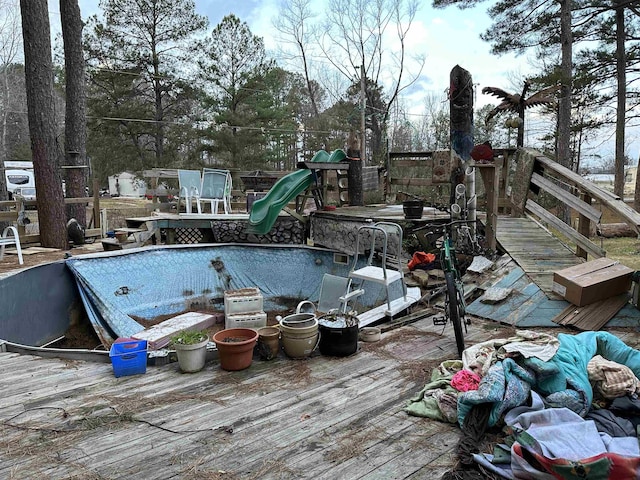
{"points": [[190, 184], [335, 295], [13, 240], [216, 189]]}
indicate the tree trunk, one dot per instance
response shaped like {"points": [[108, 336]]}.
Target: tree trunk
{"points": [[636, 192], [75, 135], [618, 185], [563, 152], [40, 111]]}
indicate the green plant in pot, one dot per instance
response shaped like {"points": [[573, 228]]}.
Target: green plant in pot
{"points": [[191, 348]]}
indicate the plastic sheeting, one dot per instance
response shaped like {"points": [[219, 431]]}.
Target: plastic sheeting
{"points": [[123, 290]]}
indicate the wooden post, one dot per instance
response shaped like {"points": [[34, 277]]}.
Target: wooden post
{"points": [[354, 175], [584, 226], [96, 203], [490, 173], [461, 112], [461, 135]]}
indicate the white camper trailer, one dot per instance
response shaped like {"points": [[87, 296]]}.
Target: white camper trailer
{"points": [[19, 179], [18, 174]]}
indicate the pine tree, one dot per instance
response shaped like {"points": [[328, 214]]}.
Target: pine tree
{"points": [[141, 87]]}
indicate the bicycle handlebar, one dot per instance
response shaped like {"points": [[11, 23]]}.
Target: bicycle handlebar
{"points": [[442, 226]]}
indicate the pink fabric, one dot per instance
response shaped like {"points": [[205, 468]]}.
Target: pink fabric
{"points": [[465, 380]]}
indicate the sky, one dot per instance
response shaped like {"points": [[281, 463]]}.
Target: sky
{"points": [[447, 37]]}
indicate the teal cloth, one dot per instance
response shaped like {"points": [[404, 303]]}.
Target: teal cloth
{"points": [[574, 354], [506, 385]]}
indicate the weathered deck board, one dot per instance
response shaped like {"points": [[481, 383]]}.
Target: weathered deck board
{"points": [[321, 418], [533, 248], [316, 418]]}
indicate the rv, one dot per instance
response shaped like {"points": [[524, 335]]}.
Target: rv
{"points": [[18, 176]]}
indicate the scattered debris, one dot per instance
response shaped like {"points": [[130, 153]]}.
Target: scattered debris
{"points": [[479, 265], [495, 295]]}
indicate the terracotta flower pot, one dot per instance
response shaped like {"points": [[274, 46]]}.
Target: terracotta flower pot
{"points": [[235, 347]]}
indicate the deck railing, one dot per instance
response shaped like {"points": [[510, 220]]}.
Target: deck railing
{"points": [[10, 211], [525, 174], [535, 173]]}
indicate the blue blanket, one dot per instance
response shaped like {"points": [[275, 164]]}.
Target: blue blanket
{"points": [[563, 381]]}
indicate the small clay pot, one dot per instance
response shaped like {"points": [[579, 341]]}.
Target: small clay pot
{"points": [[268, 342]]}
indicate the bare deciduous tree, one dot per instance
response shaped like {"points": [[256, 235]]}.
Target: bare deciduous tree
{"points": [[355, 38], [10, 47], [295, 23]]}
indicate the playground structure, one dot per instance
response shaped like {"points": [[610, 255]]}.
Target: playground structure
{"points": [[299, 185]]}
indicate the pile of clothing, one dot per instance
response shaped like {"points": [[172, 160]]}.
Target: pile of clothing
{"points": [[568, 405]]}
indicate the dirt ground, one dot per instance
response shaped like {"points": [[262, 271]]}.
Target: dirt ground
{"points": [[118, 210]]}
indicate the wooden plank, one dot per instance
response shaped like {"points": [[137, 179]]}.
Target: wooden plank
{"points": [[412, 182], [423, 163], [158, 336], [566, 197], [566, 230], [395, 155], [593, 316], [10, 216], [35, 238]]}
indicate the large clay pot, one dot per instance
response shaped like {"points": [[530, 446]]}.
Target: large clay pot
{"points": [[299, 333], [235, 347], [191, 358]]}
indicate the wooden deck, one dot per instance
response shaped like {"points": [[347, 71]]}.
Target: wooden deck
{"points": [[535, 250], [321, 418]]}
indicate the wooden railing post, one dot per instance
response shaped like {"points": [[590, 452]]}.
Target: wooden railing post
{"points": [[490, 173], [584, 226]]}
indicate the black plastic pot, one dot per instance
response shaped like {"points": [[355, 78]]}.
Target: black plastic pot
{"points": [[338, 342], [412, 209]]}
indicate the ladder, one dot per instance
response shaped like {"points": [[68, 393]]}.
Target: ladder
{"points": [[381, 274]]}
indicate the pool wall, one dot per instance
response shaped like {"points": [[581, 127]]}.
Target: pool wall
{"points": [[38, 304], [123, 290]]}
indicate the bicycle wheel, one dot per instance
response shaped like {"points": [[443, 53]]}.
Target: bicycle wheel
{"points": [[454, 311]]}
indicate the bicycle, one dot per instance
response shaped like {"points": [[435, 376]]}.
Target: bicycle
{"points": [[454, 304]]}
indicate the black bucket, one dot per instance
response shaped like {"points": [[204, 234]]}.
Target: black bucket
{"points": [[413, 209], [338, 342], [338, 334]]}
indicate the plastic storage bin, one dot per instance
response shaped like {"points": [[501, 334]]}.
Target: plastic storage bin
{"points": [[244, 300], [129, 357], [246, 320]]}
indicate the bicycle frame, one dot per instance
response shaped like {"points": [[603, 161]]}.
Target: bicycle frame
{"points": [[449, 264]]}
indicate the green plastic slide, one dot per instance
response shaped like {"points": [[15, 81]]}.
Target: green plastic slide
{"points": [[322, 156], [265, 211]]}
